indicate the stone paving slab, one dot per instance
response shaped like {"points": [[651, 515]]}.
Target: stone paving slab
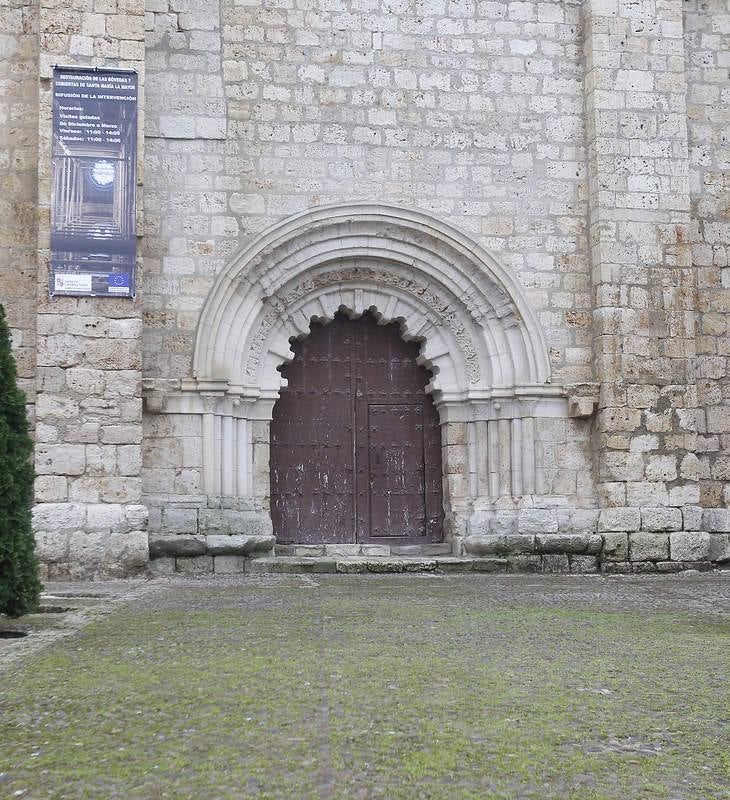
{"points": [[397, 686]]}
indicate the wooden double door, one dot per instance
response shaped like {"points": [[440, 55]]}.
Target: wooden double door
{"points": [[355, 440]]}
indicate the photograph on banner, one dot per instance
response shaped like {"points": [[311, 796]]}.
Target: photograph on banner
{"points": [[94, 158]]}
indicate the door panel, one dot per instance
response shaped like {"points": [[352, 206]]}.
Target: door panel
{"points": [[312, 488], [395, 471], [355, 440]]}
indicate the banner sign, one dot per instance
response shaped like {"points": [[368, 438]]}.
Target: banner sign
{"points": [[94, 160]]}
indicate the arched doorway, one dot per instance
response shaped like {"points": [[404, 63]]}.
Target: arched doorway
{"points": [[355, 440]]}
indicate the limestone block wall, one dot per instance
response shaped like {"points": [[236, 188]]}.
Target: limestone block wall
{"points": [[89, 517], [707, 53], [19, 181], [645, 284], [472, 112], [584, 144]]}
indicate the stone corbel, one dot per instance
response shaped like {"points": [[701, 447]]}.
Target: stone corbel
{"points": [[582, 400]]}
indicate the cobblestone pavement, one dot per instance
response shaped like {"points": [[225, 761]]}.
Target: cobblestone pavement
{"points": [[373, 686]]}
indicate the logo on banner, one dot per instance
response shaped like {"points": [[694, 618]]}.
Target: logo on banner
{"points": [[120, 283], [72, 282]]}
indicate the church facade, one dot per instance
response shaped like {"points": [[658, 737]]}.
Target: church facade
{"points": [[413, 276]]}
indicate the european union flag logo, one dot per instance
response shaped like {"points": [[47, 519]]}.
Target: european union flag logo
{"points": [[120, 283], [120, 280]]}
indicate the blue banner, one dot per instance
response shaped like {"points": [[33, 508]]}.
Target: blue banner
{"points": [[94, 165]]}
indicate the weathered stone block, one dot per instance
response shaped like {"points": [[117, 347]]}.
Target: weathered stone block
{"points": [[375, 550], [59, 516], [524, 564], [183, 545], [121, 434], [85, 381], [386, 565], [648, 546], [161, 566], [499, 544], [719, 547], [583, 564], [113, 354], [661, 519], [179, 520], [238, 544], [60, 459], [689, 546], [129, 459], [646, 493], [137, 517], [537, 520], [617, 567], [346, 550], [194, 565], [555, 563], [228, 565], [51, 546], [351, 567], [689, 494], [562, 543], [716, 520], [125, 554], [51, 488], [692, 518], [224, 521], [503, 522], [583, 521], [615, 546], [619, 519], [420, 565], [120, 490], [86, 550], [101, 516]]}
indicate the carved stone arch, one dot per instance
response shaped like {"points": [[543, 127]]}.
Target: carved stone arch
{"points": [[478, 336], [448, 348], [423, 257]]}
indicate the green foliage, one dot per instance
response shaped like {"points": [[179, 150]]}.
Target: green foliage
{"points": [[19, 584]]}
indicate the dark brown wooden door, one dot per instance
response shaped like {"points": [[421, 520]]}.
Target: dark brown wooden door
{"points": [[355, 440]]}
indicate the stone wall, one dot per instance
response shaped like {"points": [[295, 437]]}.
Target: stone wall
{"points": [[254, 113], [584, 144], [19, 181], [474, 115], [643, 276], [707, 48], [89, 519]]}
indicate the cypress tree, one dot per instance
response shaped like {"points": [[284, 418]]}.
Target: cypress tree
{"points": [[19, 584]]}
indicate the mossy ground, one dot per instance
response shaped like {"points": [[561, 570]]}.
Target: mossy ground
{"points": [[382, 687]]}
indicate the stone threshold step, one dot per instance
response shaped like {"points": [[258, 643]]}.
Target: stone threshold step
{"points": [[403, 564], [365, 550]]}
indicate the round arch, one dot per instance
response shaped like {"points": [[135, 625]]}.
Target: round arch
{"points": [[479, 332], [478, 336]]}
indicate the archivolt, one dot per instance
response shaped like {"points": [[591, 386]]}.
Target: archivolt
{"points": [[479, 333]]}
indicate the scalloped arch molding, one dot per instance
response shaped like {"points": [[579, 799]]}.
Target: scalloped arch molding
{"points": [[479, 335]]}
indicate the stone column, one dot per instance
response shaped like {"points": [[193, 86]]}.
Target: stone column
{"points": [[644, 285], [89, 518]]}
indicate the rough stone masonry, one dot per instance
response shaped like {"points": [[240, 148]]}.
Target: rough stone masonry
{"points": [[536, 191]]}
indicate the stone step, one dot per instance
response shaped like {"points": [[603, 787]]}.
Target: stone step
{"points": [[374, 564], [365, 550]]}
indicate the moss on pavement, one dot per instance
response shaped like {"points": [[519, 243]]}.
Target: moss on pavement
{"points": [[381, 687]]}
